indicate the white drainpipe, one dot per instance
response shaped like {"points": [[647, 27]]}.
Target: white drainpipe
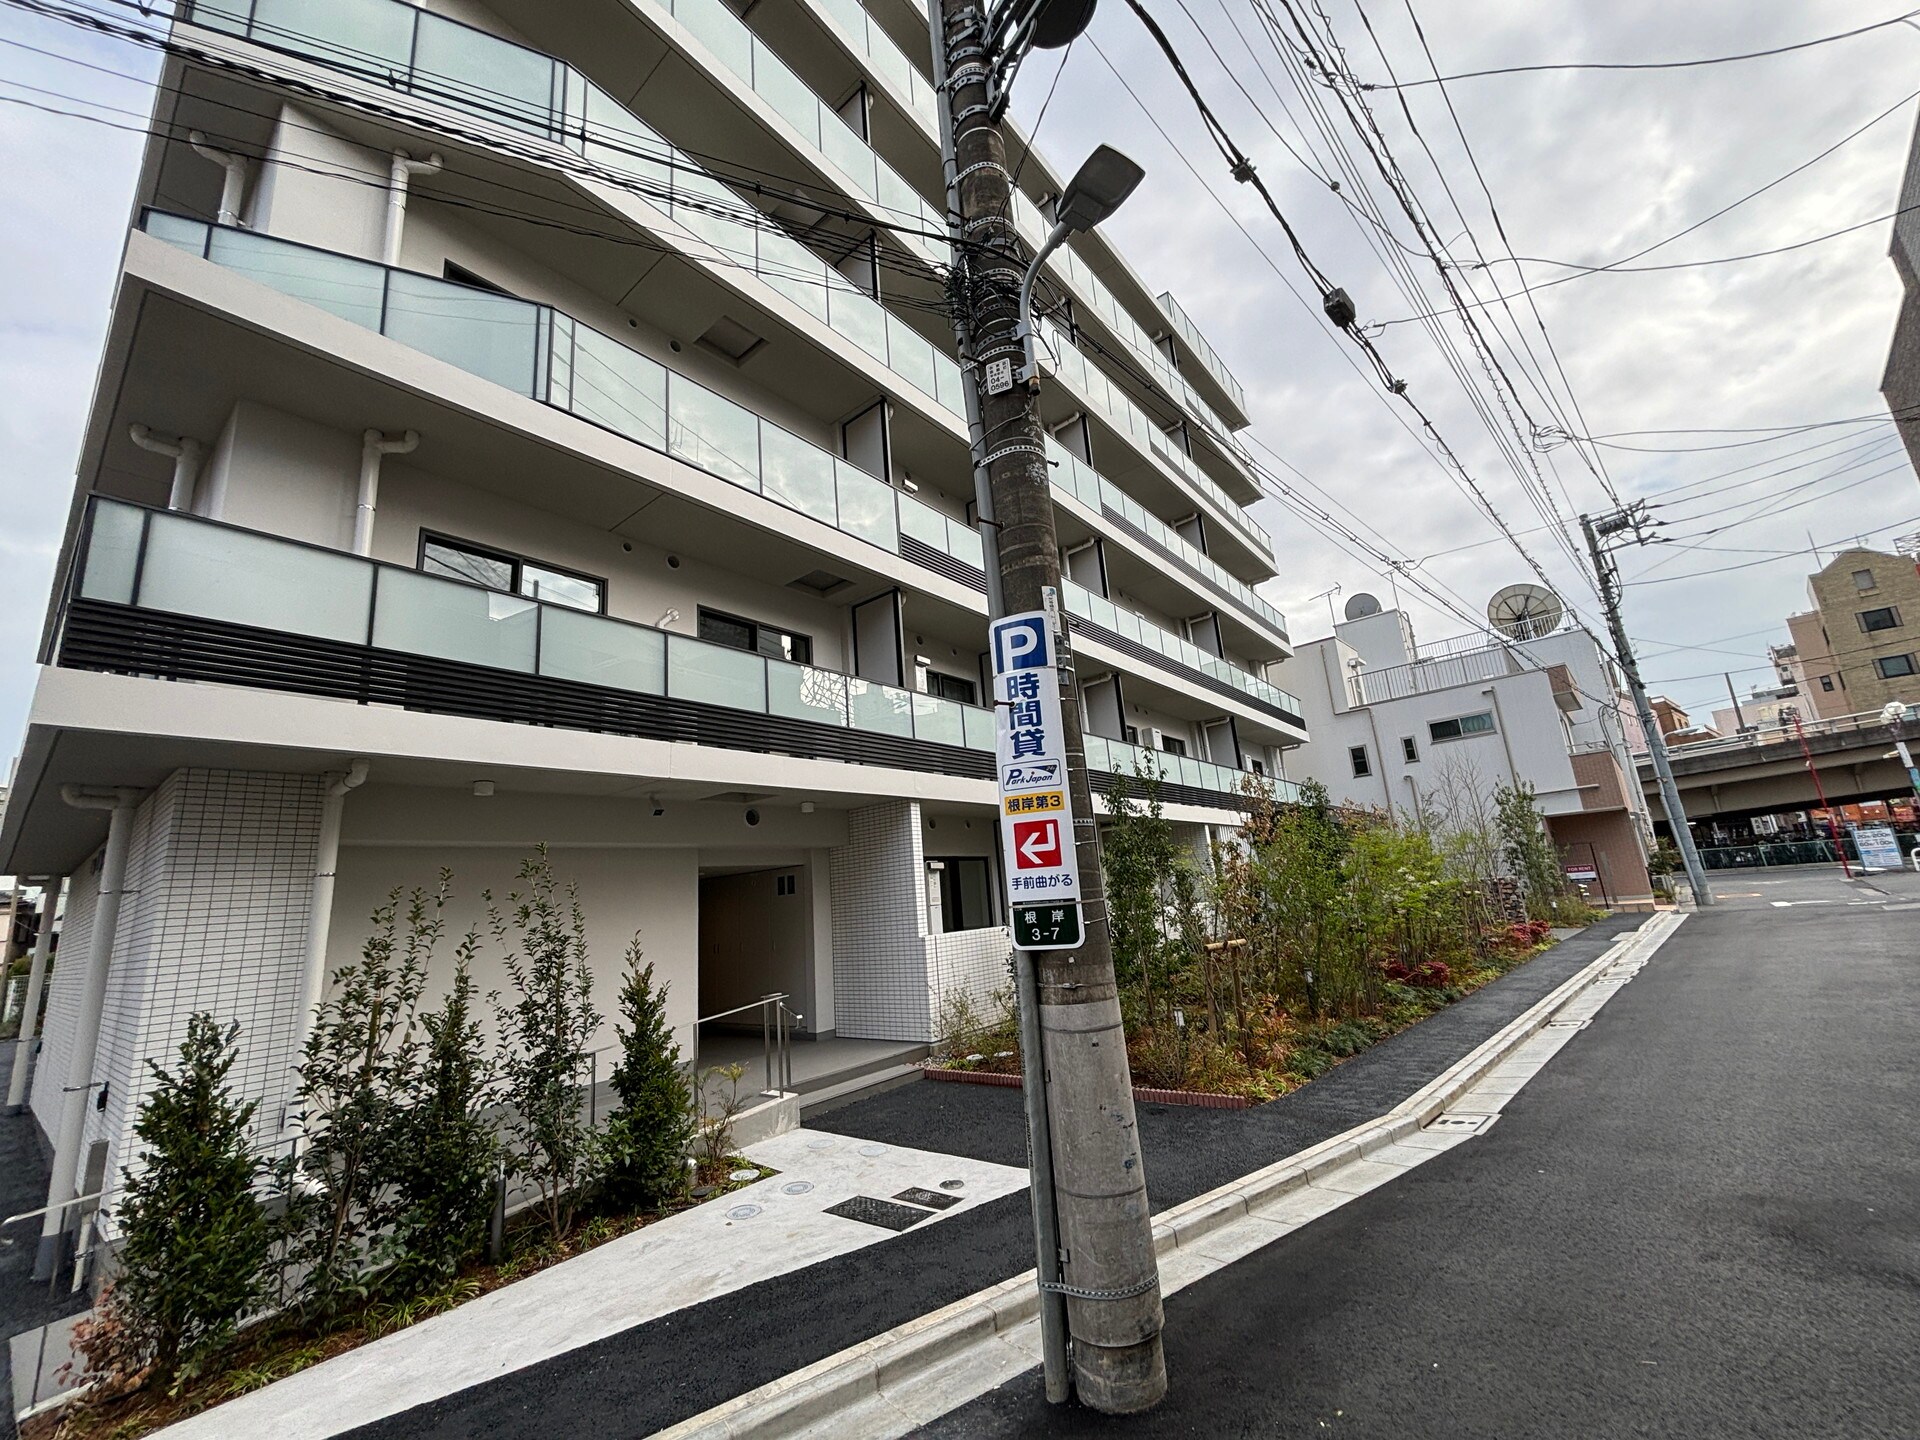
{"points": [[86, 1023], [399, 177], [374, 444], [233, 189], [186, 452], [36, 983], [313, 970]]}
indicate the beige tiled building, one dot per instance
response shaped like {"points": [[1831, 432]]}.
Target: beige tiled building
{"points": [[1859, 646]]}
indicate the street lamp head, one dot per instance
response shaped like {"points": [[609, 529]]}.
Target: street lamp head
{"points": [[1101, 186], [1893, 712], [1059, 22]]}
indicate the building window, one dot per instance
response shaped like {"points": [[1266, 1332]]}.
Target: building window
{"points": [[730, 630], [951, 687], [503, 570], [786, 885], [1409, 751], [966, 892], [1885, 618], [1863, 579], [1893, 667], [1826, 683], [1362, 766], [1173, 745], [1460, 726]]}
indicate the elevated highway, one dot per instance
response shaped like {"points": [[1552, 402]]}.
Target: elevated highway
{"points": [[1736, 777]]}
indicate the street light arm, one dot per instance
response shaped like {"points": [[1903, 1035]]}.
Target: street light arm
{"points": [[1023, 331]]}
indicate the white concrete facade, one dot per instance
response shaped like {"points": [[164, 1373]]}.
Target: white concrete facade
{"points": [[714, 621]]}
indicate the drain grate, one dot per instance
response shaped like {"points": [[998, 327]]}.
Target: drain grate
{"points": [[884, 1213], [1461, 1123], [931, 1199], [1567, 1024]]}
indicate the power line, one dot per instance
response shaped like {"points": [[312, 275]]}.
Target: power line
{"points": [[1648, 64]]}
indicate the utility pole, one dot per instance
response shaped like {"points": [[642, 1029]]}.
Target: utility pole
{"points": [[1739, 715], [1105, 1259], [1820, 790], [1632, 519]]}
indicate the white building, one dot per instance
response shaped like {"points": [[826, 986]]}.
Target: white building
{"points": [[551, 406], [1402, 727]]}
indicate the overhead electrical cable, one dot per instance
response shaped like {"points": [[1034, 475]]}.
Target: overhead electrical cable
{"points": [[1651, 64]]}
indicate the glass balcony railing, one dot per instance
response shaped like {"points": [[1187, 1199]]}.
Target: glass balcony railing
{"points": [[864, 37], [1089, 606], [412, 50], [452, 64], [1075, 477], [1116, 757], [161, 560], [184, 565], [547, 355], [1092, 386], [1188, 331]]}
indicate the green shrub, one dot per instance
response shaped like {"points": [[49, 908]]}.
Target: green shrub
{"points": [[447, 1162], [195, 1241], [545, 1029], [645, 1143]]}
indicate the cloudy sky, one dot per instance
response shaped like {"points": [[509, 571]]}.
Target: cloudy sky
{"points": [[1585, 167]]}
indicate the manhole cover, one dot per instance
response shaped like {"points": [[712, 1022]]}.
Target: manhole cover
{"points": [[932, 1199], [737, 1175], [743, 1212], [884, 1213], [821, 1144], [1462, 1124], [953, 1184], [873, 1149], [796, 1187]]}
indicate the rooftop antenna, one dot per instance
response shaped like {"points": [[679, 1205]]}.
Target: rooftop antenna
{"points": [[1327, 595]]}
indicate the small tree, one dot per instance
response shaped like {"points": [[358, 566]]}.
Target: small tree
{"points": [[356, 1077], [195, 1240], [646, 1140], [545, 1030], [1531, 860], [447, 1163], [1137, 854]]}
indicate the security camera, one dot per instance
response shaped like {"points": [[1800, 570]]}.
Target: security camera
{"points": [[659, 809], [753, 817]]}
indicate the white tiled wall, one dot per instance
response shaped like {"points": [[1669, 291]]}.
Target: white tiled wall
{"points": [[971, 960], [879, 886], [219, 877]]}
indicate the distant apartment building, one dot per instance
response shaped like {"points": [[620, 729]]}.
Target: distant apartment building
{"points": [[1859, 646], [1900, 384], [1676, 725], [1420, 729], [538, 421], [1760, 710]]}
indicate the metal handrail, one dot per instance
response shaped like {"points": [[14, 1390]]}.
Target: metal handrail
{"points": [[777, 1022]]}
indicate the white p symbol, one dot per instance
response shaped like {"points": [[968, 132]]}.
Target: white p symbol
{"points": [[1017, 642]]}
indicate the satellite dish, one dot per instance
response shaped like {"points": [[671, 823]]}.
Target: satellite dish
{"points": [[1526, 612], [1361, 605]]}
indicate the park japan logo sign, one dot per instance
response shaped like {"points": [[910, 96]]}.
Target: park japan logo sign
{"points": [[1036, 810]]}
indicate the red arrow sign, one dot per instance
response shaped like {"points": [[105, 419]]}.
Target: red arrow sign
{"points": [[1036, 844]]}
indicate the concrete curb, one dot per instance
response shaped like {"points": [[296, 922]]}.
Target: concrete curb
{"points": [[814, 1394]]}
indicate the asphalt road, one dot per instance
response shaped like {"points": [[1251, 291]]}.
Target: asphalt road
{"points": [[1702, 1219]]}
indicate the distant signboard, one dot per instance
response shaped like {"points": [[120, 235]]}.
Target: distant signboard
{"points": [[1582, 874], [1877, 846]]}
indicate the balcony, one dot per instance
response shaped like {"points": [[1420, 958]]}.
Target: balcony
{"points": [[867, 42], [548, 356], [161, 593], [504, 83]]}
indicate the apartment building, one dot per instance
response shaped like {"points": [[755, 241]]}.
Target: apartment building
{"points": [[1858, 647], [538, 421], [1432, 731], [1900, 384]]}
